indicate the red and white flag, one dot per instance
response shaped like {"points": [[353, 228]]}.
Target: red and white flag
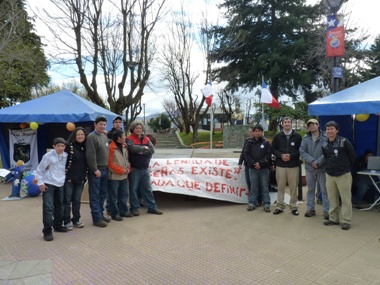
{"points": [[207, 93], [267, 97]]}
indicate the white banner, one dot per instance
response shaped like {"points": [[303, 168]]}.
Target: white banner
{"points": [[23, 146], [220, 179]]}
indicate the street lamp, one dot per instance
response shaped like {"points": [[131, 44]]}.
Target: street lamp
{"points": [[131, 65], [144, 112], [334, 6]]}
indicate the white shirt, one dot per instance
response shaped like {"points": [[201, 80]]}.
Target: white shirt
{"points": [[51, 169]]}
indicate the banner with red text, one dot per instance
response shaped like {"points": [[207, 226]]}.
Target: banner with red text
{"points": [[220, 179]]}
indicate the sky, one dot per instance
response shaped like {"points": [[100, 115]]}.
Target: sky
{"points": [[360, 13]]}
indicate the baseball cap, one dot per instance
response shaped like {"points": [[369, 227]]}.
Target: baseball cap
{"points": [[312, 121], [117, 118]]}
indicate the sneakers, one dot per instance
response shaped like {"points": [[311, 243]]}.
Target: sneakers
{"points": [[107, 220], [117, 218], [295, 212], [267, 209], [61, 229], [69, 226], [78, 224], [48, 236], [330, 223], [277, 211], [346, 227], [135, 212], [100, 224], [310, 213], [155, 212], [127, 215], [251, 208]]}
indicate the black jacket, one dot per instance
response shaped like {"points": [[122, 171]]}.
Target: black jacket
{"points": [[340, 156], [281, 145], [257, 151], [76, 164]]}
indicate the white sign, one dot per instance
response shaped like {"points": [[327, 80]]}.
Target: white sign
{"points": [[23, 146]]}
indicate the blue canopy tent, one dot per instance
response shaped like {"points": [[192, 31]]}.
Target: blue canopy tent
{"points": [[363, 98], [51, 112]]}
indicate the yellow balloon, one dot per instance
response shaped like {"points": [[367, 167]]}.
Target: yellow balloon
{"points": [[33, 125], [362, 117]]}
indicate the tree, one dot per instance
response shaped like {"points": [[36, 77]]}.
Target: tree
{"points": [[23, 65], [108, 41], [372, 61], [160, 123], [174, 113], [178, 73]]}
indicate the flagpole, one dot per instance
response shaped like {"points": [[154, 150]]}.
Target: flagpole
{"points": [[211, 125], [262, 104]]}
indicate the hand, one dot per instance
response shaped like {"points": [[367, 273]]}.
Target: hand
{"points": [[285, 157], [97, 173], [16, 182], [314, 165], [42, 187]]}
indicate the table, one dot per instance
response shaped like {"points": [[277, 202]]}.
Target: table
{"points": [[372, 173]]}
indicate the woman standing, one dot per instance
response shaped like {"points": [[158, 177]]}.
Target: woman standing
{"points": [[76, 176]]}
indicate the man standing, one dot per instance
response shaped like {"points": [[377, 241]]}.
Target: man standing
{"points": [[257, 157], [312, 155], [340, 156], [117, 125], [97, 160], [285, 147]]}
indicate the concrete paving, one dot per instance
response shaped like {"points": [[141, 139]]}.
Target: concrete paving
{"points": [[197, 241]]}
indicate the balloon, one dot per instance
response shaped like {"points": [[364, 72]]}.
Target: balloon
{"points": [[70, 126], [23, 125], [362, 117], [34, 125], [29, 186]]}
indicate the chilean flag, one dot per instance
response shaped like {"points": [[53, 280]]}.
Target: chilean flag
{"points": [[335, 36], [267, 97], [207, 93]]}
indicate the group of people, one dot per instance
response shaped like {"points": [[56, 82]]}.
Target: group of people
{"points": [[328, 160], [116, 166]]}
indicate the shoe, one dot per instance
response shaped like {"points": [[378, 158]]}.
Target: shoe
{"points": [[267, 209], [310, 213], [69, 226], [61, 229], [135, 212], [108, 212], [107, 220], [48, 236], [155, 212], [326, 215], [330, 223], [346, 227], [78, 224], [141, 201], [117, 218], [251, 208], [100, 224], [127, 215], [295, 212], [277, 211]]}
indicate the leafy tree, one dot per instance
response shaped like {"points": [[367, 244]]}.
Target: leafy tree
{"points": [[23, 65], [372, 61], [160, 123]]}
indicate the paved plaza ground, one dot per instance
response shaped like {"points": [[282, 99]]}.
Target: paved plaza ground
{"points": [[197, 241]]}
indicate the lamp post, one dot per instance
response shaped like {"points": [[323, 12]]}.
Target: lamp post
{"points": [[131, 65], [334, 6], [144, 112]]}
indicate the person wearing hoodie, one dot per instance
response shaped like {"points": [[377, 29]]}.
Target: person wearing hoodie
{"points": [[312, 155], [257, 156]]}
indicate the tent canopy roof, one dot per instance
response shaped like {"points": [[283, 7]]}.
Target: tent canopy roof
{"points": [[59, 107], [363, 98]]}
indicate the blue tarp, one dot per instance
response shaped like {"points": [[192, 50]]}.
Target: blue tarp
{"points": [[363, 98], [52, 112]]}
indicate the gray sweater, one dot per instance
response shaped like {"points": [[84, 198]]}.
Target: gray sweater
{"points": [[97, 151]]}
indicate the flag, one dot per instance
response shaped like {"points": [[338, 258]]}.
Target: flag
{"points": [[335, 36], [267, 97], [207, 93]]}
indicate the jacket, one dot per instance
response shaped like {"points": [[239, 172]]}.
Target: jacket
{"points": [[76, 164], [139, 157], [118, 162], [281, 145], [257, 151], [312, 152], [340, 156]]}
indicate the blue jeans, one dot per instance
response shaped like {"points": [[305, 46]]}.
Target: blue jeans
{"points": [[97, 189], [139, 179], [312, 178], [52, 206], [71, 201], [117, 197], [259, 185]]}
